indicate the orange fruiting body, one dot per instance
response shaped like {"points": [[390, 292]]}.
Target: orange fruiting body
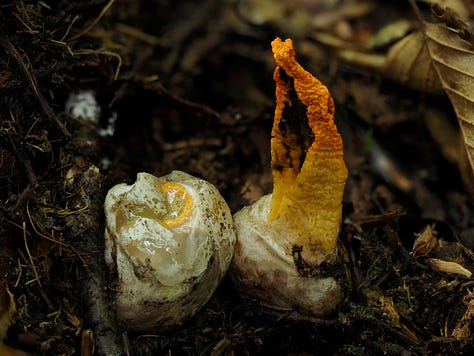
{"points": [[307, 156], [286, 239]]}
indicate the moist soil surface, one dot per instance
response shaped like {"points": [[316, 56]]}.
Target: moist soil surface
{"points": [[187, 85]]}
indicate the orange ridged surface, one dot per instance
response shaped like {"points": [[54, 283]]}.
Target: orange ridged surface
{"points": [[307, 157]]}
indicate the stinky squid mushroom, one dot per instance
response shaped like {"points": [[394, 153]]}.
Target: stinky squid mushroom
{"points": [[170, 240], [285, 237]]}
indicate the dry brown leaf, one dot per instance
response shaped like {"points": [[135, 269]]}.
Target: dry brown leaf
{"points": [[455, 5], [436, 59], [408, 62], [448, 267], [453, 61]]}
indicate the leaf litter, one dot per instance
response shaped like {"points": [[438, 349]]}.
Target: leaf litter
{"points": [[190, 85]]}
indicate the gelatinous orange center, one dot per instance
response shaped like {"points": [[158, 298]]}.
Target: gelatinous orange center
{"points": [[179, 204]]}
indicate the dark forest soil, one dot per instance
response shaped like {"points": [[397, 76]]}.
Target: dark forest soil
{"points": [[188, 85]]}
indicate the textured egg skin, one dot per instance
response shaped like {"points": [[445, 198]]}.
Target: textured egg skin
{"points": [[263, 268], [166, 272]]}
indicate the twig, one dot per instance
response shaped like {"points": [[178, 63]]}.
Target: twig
{"points": [[25, 66], [93, 23], [196, 107], [86, 230], [103, 52], [25, 162], [30, 258]]}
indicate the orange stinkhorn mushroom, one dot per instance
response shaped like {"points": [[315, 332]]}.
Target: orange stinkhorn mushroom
{"points": [[298, 224]]}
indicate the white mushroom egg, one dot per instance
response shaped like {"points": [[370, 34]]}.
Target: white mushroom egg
{"points": [[170, 240]]}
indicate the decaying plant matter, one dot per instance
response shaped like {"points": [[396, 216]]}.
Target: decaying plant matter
{"points": [[438, 57], [185, 86]]}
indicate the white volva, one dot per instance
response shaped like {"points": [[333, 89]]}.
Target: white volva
{"points": [[264, 269]]}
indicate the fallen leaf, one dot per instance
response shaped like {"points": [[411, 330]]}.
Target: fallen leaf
{"points": [[409, 63], [425, 242], [448, 267], [455, 5], [453, 61], [439, 58]]}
